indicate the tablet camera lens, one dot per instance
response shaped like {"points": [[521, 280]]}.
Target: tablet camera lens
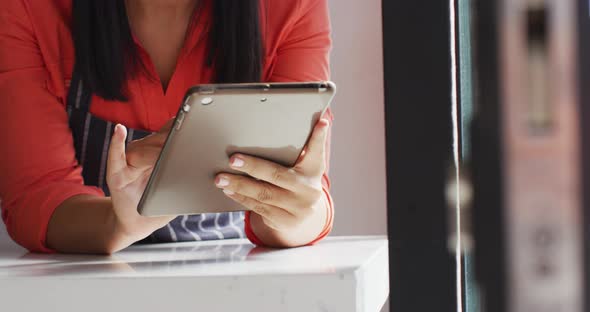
{"points": [[207, 101]]}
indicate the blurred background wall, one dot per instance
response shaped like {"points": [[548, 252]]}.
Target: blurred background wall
{"points": [[358, 138]]}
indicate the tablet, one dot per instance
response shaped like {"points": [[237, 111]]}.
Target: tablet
{"points": [[268, 120]]}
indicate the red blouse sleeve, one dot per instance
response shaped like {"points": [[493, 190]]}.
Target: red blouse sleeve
{"points": [[304, 55], [37, 159]]}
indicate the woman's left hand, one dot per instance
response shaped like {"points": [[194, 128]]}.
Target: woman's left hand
{"points": [[289, 202]]}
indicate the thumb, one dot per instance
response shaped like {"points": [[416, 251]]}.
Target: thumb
{"points": [[313, 160], [117, 160]]}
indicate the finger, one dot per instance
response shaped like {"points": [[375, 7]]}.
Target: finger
{"points": [[117, 160], [303, 152], [259, 190], [265, 170], [313, 163], [272, 216], [118, 173], [143, 157], [156, 138], [167, 126]]}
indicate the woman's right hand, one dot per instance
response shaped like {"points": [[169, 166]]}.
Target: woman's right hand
{"points": [[128, 172]]}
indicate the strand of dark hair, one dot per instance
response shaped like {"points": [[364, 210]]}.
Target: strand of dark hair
{"points": [[236, 43], [106, 55]]}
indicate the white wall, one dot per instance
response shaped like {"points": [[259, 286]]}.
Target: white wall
{"points": [[358, 139]]}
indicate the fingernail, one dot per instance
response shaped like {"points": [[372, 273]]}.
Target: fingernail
{"points": [[221, 182], [119, 128], [237, 162], [228, 192]]}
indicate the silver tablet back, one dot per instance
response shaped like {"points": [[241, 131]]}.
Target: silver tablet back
{"points": [[272, 121]]}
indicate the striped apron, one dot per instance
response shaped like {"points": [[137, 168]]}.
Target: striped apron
{"points": [[91, 140]]}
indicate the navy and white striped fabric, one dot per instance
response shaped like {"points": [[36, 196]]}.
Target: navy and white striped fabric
{"points": [[91, 140]]}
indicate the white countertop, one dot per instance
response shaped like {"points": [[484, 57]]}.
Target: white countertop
{"points": [[338, 274]]}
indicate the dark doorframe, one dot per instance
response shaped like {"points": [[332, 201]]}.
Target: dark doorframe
{"points": [[419, 153]]}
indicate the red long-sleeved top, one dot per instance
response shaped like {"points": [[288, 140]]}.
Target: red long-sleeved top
{"points": [[38, 167]]}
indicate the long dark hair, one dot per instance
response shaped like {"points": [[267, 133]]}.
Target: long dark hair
{"points": [[106, 56]]}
